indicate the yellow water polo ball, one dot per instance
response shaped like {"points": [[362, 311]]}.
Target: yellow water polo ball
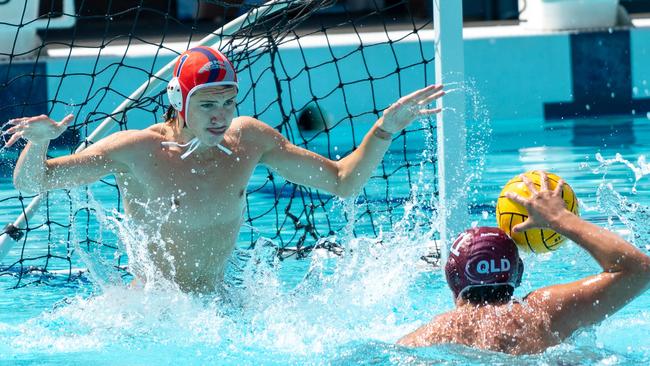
{"points": [[510, 213]]}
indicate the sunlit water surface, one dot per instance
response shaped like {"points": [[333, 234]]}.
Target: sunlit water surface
{"points": [[351, 310]]}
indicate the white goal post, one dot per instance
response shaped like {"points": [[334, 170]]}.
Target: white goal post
{"points": [[451, 127]]}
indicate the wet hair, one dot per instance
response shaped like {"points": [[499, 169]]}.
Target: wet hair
{"points": [[170, 114], [479, 295]]}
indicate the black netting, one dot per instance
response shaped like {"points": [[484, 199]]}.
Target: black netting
{"points": [[321, 72]]}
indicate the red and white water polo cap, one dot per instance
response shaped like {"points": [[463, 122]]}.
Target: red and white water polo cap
{"points": [[483, 256], [198, 68]]}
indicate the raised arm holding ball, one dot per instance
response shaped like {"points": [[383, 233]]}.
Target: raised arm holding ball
{"points": [[484, 267]]}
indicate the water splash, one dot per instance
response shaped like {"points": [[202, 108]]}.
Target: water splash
{"points": [[479, 137], [363, 295], [633, 215], [123, 316], [136, 241], [640, 169], [4, 135]]}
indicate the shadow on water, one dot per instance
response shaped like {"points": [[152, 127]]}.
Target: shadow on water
{"points": [[611, 133]]}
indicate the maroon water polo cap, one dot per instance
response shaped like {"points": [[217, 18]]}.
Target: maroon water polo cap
{"points": [[483, 256]]}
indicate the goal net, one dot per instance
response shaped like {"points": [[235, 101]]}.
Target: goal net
{"points": [[321, 72]]}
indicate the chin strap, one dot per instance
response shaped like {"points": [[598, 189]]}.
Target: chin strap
{"points": [[193, 145]]}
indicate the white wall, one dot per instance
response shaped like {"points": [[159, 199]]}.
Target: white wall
{"points": [[514, 71]]}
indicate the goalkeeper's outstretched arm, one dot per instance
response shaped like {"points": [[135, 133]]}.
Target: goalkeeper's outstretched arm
{"points": [[35, 173], [347, 176]]}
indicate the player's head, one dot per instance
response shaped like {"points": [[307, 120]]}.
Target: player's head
{"points": [[199, 70], [483, 266]]}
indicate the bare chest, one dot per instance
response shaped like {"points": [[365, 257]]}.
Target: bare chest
{"points": [[189, 192]]}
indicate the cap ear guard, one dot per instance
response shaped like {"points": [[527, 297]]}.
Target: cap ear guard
{"points": [[520, 272], [175, 94]]}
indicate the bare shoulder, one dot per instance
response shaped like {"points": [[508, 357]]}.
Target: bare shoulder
{"points": [[158, 129], [256, 132], [153, 134], [548, 299], [127, 143], [428, 334], [252, 126], [538, 299]]}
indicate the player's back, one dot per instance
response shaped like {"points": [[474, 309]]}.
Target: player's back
{"points": [[513, 328]]}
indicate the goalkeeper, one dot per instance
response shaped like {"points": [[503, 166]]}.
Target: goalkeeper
{"points": [[197, 164]]}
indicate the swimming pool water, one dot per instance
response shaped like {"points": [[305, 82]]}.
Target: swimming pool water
{"points": [[352, 309]]}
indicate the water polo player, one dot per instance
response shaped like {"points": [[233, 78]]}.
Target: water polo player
{"points": [[483, 269], [198, 163]]}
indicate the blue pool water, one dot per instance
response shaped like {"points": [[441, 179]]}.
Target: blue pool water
{"points": [[351, 310]]}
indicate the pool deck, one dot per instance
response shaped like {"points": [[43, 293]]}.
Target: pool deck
{"points": [[93, 34], [584, 74]]}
